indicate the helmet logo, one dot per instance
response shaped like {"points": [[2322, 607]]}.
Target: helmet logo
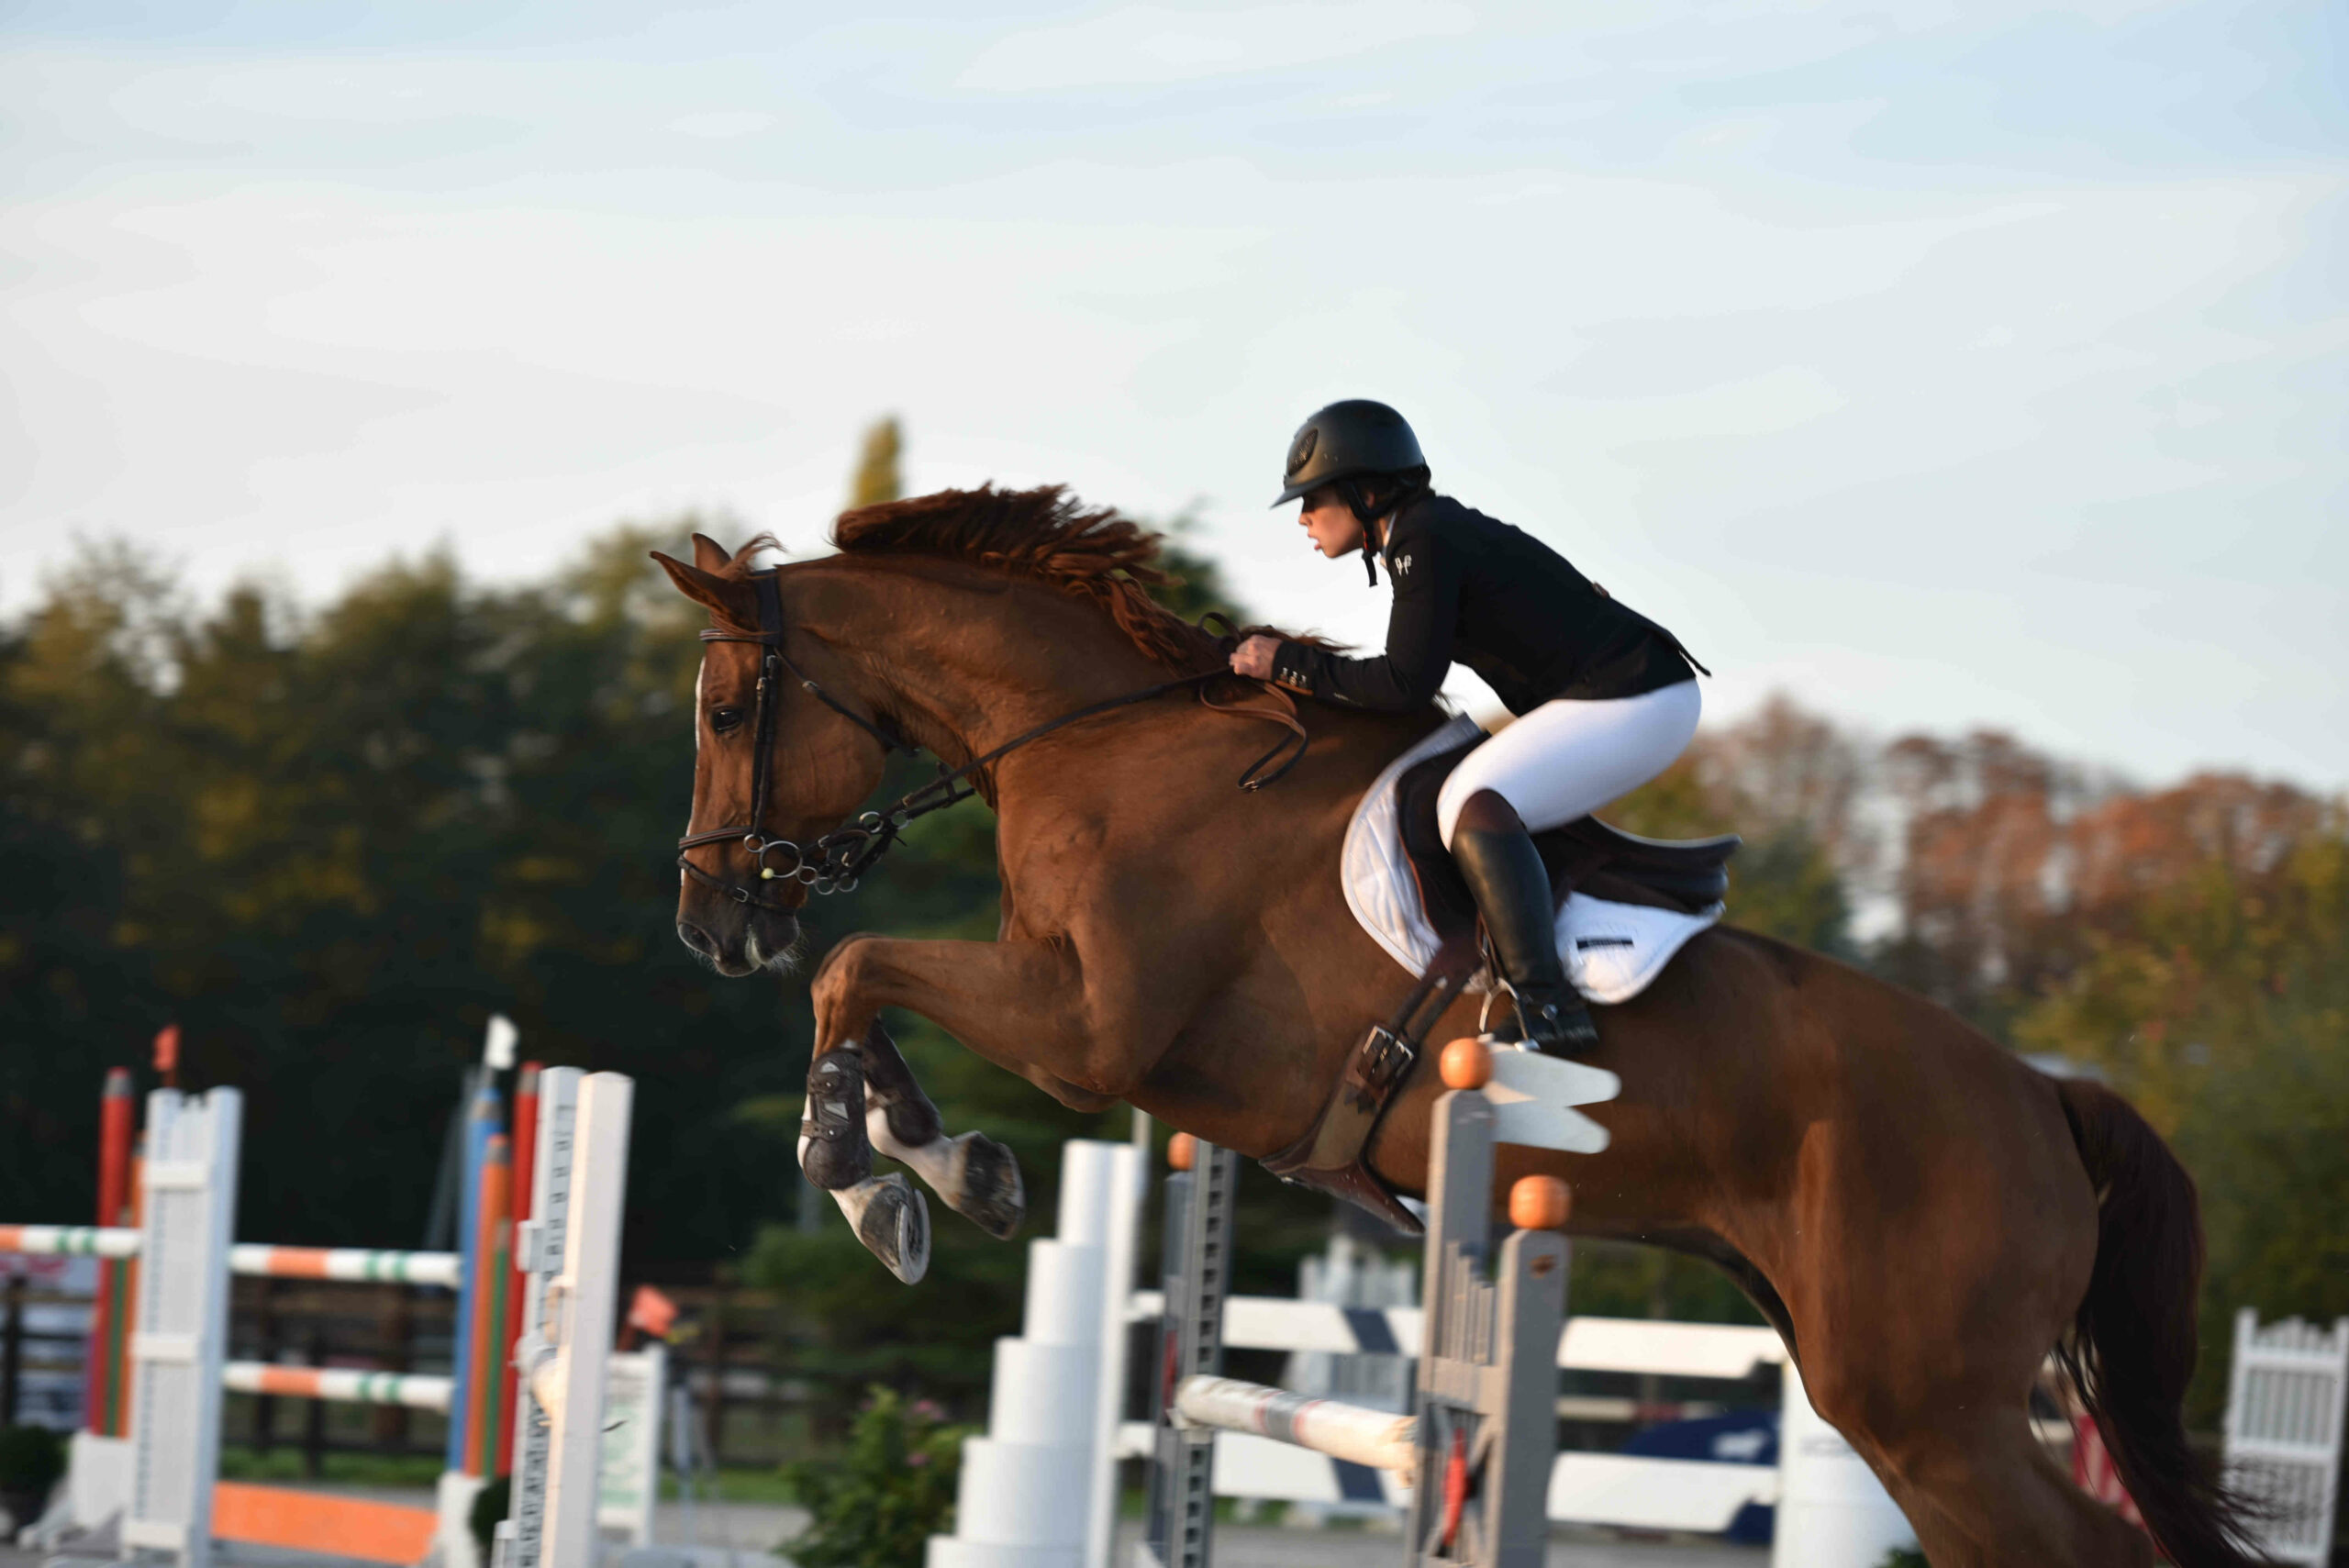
{"points": [[1300, 452]]}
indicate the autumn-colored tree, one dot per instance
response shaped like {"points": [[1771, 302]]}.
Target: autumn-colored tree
{"points": [[2011, 860], [1793, 786]]}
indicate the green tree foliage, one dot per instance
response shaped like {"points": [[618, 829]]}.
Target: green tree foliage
{"points": [[1200, 586], [877, 477], [330, 845]]}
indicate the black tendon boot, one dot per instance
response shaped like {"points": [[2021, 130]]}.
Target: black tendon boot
{"points": [[1512, 889]]}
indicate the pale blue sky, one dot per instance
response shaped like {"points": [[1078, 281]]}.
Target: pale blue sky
{"points": [[1938, 364]]}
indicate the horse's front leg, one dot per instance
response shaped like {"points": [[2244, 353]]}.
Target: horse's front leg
{"points": [[978, 1177], [848, 1113], [863, 1096], [1018, 1004]]}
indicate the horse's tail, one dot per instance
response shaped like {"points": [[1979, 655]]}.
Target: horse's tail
{"points": [[2133, 1342]]}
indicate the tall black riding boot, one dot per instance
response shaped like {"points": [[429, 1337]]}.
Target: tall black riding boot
{"points": [[1512, 889]]}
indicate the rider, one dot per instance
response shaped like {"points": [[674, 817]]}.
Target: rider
{"points": [[1605, 697]]}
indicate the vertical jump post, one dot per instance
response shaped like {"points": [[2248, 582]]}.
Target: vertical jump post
{"points": [[1483, 1431], [570, 1253]]}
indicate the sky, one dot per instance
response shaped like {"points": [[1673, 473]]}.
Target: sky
{"points": [[1939, 364]]}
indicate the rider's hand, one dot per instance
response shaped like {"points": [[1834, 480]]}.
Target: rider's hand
{"points": [[1254, 657]]}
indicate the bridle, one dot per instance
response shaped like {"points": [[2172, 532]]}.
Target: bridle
{"points": [[834, 863]]}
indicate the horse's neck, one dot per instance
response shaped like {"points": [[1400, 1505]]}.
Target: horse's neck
{"points": [[965, 660]]}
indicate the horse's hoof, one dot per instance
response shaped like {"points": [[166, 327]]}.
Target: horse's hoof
{"points": [[892, 1221], [987, 1188]]}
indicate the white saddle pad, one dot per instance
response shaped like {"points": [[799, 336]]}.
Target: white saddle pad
{"points": [[1611, 950]]}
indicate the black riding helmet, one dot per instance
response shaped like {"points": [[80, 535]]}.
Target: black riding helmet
{"points": [[1348, 441], [1346, 444]]}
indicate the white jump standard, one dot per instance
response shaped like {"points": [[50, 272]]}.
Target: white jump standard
{"points": [[161, 1482]]}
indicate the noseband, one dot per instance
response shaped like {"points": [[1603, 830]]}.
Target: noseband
{"points": [[833, 862]]}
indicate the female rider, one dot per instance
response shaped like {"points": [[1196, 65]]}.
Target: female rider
{"points": [[1605, 697]]}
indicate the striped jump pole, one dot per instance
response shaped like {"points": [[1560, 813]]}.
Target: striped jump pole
{"points": [[418, 1391], [1380, 1438], [1480, 1441], [354, 1263], [252, 1260], [70, 1240]]}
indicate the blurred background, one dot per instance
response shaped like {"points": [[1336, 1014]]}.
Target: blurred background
{"points": [[1963, 384]]}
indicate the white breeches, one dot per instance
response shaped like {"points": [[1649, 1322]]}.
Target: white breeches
{"points": [[1566, 759]]}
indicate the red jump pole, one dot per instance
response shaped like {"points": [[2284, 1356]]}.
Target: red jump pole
{"points": [[103, 1382], [525, 1158], [492, 1263]]}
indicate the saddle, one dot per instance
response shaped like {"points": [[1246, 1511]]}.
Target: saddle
{"points": [[1588, 856], [1690, 876]]}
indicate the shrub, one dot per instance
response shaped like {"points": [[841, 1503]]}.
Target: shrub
{"points": [[31, 1459], [878, 1504]]}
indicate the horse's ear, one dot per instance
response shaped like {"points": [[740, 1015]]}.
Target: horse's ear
{"points": [[727, 598], [710, 555]]}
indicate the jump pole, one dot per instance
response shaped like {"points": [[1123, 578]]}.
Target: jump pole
{"points": [[1482, 1436], [103, 1385], [525, 1150]]}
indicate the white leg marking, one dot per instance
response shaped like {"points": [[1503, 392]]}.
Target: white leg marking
{"points": [[975, 1176], [933, 1162]]}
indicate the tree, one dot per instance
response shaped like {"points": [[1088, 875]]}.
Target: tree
{"points": [[2218, 1001], [877, 477], [330, 844], [1793, 786]]}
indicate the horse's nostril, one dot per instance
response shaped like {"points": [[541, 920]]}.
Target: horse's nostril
{"points": [[694, 936]]}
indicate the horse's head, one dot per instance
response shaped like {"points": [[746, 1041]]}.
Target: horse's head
{"points": [[779, 761]]}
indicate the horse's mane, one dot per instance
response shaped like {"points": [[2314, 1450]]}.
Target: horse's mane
{"points": [[1046, 535]]}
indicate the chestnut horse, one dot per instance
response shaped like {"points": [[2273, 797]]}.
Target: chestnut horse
{"points": [[1923, 1217]]}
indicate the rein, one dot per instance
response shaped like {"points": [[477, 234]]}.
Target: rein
{"points": [[834, 863]]}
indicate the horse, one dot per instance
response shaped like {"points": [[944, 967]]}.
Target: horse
{"points": [[1923, 1216]]}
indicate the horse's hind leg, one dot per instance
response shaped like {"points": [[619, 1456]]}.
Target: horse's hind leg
{"points": [[978, 1177], [1931, 1268], [1981, 1491], [1929, 1378]]}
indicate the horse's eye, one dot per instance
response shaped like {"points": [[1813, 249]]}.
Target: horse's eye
{"points": [[725, 718]]}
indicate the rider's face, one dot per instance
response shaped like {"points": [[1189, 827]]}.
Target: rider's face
{"points": [[1330, 523]]}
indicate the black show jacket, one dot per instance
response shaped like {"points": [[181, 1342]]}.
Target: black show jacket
{"points": [[1472, 589]]}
